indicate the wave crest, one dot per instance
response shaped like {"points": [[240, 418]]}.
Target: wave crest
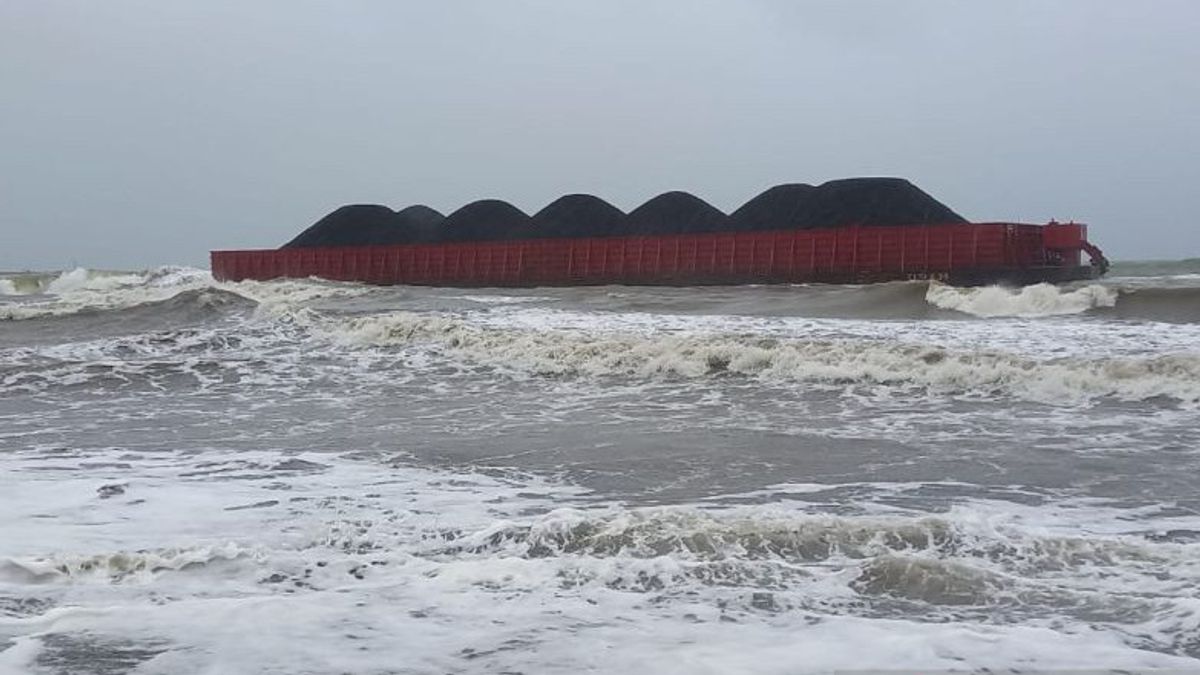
{"points": [[693, 535], [940, 561], [82, 290], [115, 567], [832, 361], [82, 279], [1028, 301]]}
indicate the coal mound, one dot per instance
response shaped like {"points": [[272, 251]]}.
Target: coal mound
{"points": [[837, 203], [420, 223], [779, 208], [350, 225], [370, 224], [486, 220], [578, 215], [872, 201], [676, 213]]}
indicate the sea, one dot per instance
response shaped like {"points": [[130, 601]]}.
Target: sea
{"points": [[303, 476]]}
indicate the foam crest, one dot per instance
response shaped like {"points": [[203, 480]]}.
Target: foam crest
{"points": [[757, 534], [115, 567], [827, 361], [1028, 301], [986, 533], [83, 290]]}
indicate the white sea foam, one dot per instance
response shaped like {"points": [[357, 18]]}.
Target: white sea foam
{"points": [[1028, 301], [357, 566], [503, 299], [1034, 338]]}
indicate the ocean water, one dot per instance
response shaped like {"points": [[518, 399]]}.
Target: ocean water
{"points": [[312, 477]]}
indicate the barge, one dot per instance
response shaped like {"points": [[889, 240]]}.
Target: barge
{"points": [[967, 254], [848, 231]]}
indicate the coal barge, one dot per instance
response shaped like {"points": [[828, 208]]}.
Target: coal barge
{"points": [[851, 231]]}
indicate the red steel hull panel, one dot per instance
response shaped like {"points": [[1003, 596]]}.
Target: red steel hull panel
{"points": [[972, 253]]}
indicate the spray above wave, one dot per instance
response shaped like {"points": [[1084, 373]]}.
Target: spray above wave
{"points": [[77, 279], [81, 279]]}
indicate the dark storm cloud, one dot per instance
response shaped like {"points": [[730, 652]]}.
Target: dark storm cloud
{"points": [[137, 133]]}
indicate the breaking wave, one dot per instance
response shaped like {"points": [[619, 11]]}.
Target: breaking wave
{"points": [[116, 567], [83, 290], [667, 350], [968, 564], [1029, 301], [32, 296], [80, 279], [88, 291], [837, 362], [1178, 304], [695, 535]]}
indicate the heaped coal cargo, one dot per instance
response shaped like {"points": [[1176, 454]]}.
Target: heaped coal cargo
{"points": [[854, 230]]}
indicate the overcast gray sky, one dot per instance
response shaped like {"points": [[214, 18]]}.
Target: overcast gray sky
{"points": [[141, 132]]}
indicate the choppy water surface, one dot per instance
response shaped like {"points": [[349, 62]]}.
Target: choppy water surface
{"points": [[308, 477]]}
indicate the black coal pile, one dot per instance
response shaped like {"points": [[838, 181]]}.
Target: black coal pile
{"points": [[486, 220], [779, 208], [872, 201], [838, 203], [421, 223], [351, 225], [579, 215], [370, 224], [676, 213]]}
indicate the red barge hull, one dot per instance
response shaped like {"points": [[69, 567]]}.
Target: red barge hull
{"points": [[961, 254]]}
